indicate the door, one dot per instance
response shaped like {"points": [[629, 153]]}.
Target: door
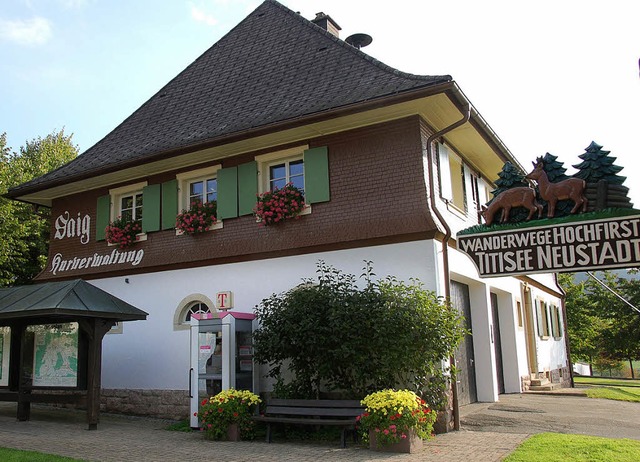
{"points": [[497, 344], [209, 368], [466, 379]]}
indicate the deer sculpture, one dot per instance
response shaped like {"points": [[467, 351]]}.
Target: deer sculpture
{"points": [[571, 188], [506, 200]]}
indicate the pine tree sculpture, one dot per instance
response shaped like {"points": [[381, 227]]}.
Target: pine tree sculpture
{"points": [[604, 185]]}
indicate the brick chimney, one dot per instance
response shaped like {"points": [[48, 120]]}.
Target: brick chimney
{"points": [[328, 24]]}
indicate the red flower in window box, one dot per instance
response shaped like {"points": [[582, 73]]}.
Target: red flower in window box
{"points": [[122, 233], [280, 204], [198, 218]]}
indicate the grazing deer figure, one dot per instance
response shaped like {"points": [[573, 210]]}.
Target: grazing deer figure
{"points": [[506, 200], [571, 188]]}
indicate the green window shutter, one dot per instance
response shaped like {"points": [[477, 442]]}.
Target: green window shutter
{"points": [[169, 204], [316, 175], [540, 318], [102, 216], [151, 208], [247, 187], [227, 193]]}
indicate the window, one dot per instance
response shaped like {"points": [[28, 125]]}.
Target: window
{"points": [[519, 313], [556, 322], [205, 190], [196, 308], [288, 171], [199, 185], [127, 202], [458, 184], [279, 168], [543, 318], [453, 189], [190, 305], [282, 167], [131, 206]]}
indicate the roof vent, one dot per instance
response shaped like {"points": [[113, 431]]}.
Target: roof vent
{"points": [[328, 24], [359, 40]]}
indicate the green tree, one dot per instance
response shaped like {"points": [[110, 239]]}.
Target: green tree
{"points": [[622, 338], [584, 326], [602, 327], [25, 232], [330, 335], [598, 165]]}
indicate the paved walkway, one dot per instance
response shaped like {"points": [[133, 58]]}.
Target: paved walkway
{"points": [[490, 432]]}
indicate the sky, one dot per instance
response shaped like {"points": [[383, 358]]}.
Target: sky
{"points": [[547, 76]]}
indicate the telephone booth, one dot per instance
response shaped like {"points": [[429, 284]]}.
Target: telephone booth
{"points": [[221, 356]]}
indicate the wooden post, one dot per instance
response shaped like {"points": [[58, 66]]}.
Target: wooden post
{"points": [[19, 378], [95, 329]]}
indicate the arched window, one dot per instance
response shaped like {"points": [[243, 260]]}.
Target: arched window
{"points": [[190, 305], [196, 308]]}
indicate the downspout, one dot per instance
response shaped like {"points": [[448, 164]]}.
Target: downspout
{"points": [[445, 241]]}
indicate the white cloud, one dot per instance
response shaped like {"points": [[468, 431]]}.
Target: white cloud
{"points": [[34, 31], [200, 15], [73, 3]]}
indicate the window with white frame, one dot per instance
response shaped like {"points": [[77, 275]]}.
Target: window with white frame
{"points": [[458, 183], [282, 172], [453, 188], [279, 168], [543, 318], [190, 305], [127, 202], [198, 186], [556, 323], [519, 314]]}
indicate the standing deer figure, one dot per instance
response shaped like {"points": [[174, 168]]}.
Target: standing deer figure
{"points": [[506, 200], [571, 188]]}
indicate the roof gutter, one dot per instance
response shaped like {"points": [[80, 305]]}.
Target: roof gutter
{"points": [[466, 114]]}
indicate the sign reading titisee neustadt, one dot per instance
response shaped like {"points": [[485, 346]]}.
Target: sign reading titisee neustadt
{"points": [[579, 246], [604, 234]]}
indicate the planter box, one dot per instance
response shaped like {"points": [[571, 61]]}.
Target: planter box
{"points": [[410, 445]]}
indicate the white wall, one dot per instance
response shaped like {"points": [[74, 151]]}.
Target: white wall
{"points": [[151, 355]]}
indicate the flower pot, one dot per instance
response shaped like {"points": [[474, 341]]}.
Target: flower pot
{"points": [[409, 445], [233, 432]]}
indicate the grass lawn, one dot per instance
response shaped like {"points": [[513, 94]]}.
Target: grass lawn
{"points": [[556, 447], [616, 389], [585, 380], [15, 455]]}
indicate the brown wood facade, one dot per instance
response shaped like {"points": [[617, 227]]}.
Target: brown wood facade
{"points": [[378, 196]]}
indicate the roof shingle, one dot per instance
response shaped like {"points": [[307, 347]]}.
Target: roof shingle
{"points": [[274, 66]]}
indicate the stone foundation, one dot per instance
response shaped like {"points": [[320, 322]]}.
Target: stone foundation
{"points": [[163, 404]]}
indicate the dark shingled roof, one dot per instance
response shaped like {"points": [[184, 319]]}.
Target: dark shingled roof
{"points": [[273, 67], [74, 299]]}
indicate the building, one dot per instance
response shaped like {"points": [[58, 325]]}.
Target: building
{"points": [[392, 165]]}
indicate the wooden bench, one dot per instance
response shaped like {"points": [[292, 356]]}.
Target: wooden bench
{"points": [[333, 412]]}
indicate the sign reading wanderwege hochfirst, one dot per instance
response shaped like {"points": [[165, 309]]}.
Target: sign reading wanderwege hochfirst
{"points": [[579, 246], [578, 223]]}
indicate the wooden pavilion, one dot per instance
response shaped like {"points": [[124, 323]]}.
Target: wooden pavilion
{"points": [[51, 343]]}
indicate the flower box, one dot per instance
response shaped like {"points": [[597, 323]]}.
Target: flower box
{"points": [[200, 217], [396, 421], [123, 233], [409, 445], [280, 204]]}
